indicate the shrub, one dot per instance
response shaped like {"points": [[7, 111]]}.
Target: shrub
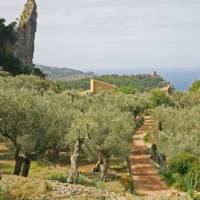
{"points": [[190, 183], [58, 177], [181, 163], [178, 181], [179, 130], [128, 184], [183, 171], [194, 172], [82, 180], [128, 90], [195, 86], [4, 73], [22, 188], [148, 138], [3, 194], [158, 97], [166, 173]]}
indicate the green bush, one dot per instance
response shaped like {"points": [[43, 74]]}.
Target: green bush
{"points": [[190, 184], [128, 90], [195, 174], [82, 180], [8, 61], [182, 163], [179, 181], [28, 82], [166, 173], [195, 86], [4, 194], [158, 98], [128, 83], [12, 64], [128, 184], [148, 138], [4, 73], [58, 177], [183, 172]]}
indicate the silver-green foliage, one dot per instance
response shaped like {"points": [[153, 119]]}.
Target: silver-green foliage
{"points": [[37, 118], [180, 130]]}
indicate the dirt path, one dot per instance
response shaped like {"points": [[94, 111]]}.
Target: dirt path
{"points": [[145, 176]]}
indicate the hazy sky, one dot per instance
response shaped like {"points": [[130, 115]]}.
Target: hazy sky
{"points": [[112, 35]]}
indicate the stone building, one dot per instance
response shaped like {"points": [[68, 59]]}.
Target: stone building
{"points": [[96, 86], [168, 89]]}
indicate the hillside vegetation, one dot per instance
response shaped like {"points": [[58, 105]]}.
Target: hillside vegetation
{"points": [[126, 83], [66, 74], [87, 139], [8, 62], [178, 139], [39, 123]]}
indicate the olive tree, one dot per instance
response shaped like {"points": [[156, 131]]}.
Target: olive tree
{"points": [[195, 86], [158, 97], [23, 121], [32, 123], [179, 130], [110, 134], [12, 118], [186, 99], [78, 134], [78, 131]]}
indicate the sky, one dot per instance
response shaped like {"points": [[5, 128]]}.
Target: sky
{"points": [[114, 36]]}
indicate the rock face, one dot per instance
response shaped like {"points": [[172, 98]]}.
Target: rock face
{"points": [[24, 45]]}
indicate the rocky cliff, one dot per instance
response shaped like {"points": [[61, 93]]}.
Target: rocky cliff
{"points": [[24, 45]]}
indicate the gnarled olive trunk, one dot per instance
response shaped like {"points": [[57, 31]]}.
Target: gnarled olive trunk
{"points": [[154, 154], [18, 161], [97, 165], [26, 166], [73, 177], [104, 166], [156, 157], [18, 165], [128, 163]]}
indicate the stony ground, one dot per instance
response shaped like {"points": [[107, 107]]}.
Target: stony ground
{"points": [[35, 189]]}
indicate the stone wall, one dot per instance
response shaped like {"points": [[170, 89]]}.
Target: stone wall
{"points": [[24, 46], [96, 86], [168, 89]]}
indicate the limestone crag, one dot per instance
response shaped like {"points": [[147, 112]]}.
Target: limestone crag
{"points": [[24, 45]]}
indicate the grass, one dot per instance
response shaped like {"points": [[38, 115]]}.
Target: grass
{"points": [[6, 167], [40, 170], [191, 185], [83, 180], [148, 138], [3, 194], [23, 188], [58, 177]]}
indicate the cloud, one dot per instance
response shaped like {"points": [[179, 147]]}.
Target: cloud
{"points": [[93, 34]]}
